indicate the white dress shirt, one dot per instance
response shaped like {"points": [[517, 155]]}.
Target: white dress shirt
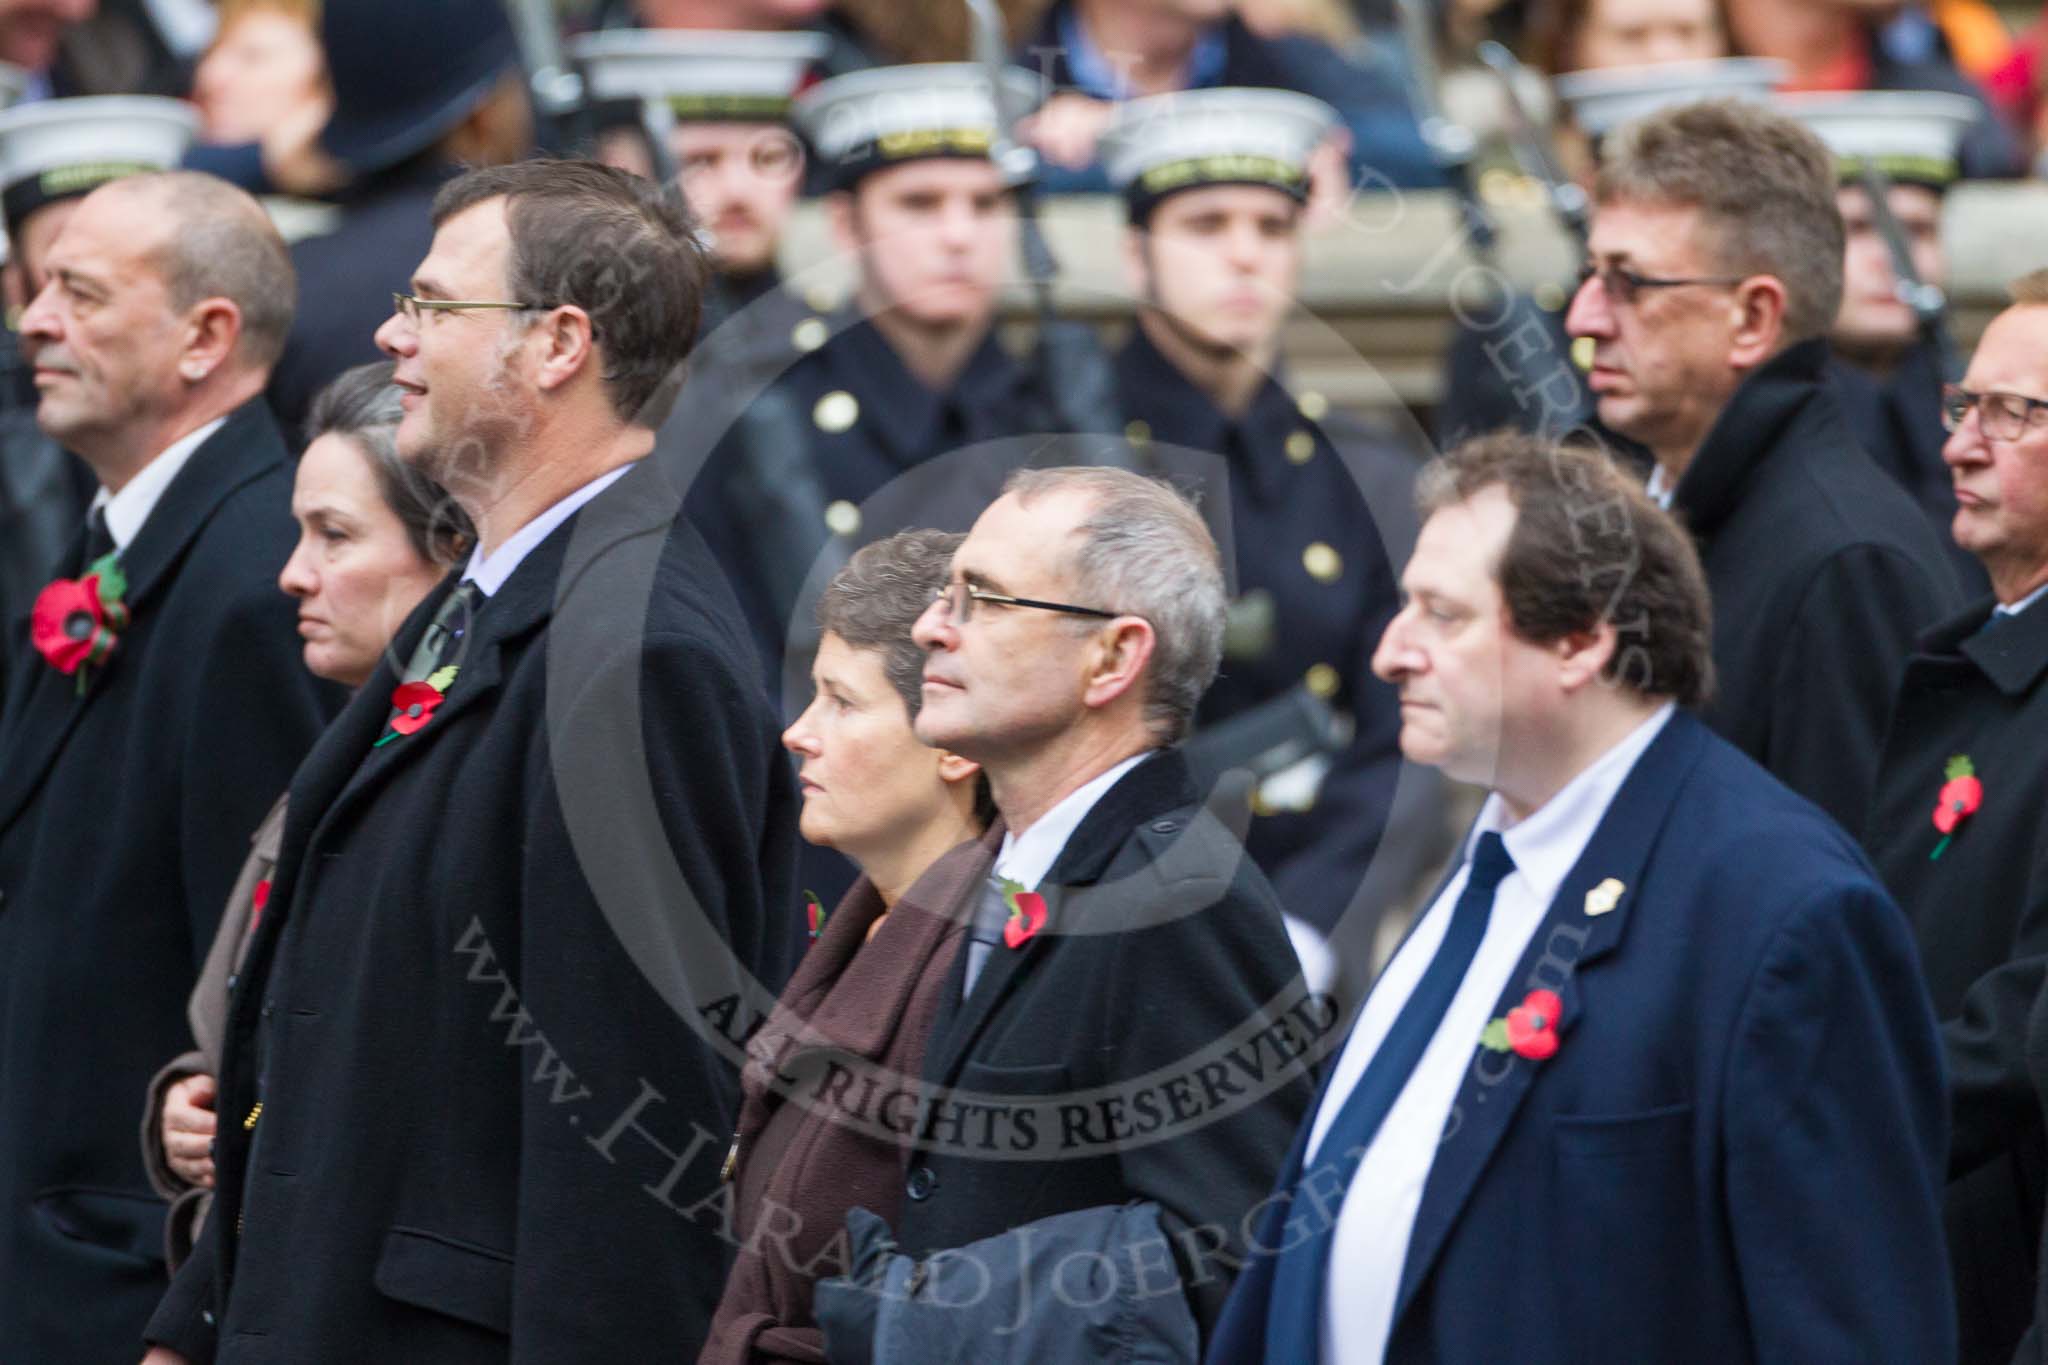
{"points": [[489, 572], [1370, 1244], [1026, 858], [129, 508]]}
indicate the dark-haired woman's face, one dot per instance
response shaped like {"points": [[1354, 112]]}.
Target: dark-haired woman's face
{"points": [[355, 571]]}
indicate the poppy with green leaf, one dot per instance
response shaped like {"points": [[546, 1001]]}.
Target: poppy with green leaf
{"points": [[77, 622]]}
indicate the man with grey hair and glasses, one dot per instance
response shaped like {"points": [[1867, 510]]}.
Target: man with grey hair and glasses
{"points": [[1125, 942], [1957, 827], [1714, 271]]}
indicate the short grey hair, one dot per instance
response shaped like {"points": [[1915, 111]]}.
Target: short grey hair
{"points": [[221, 245], [1764, 186], [1146, 551], [362, 405]]}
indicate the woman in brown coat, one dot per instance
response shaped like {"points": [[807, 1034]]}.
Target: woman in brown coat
{"points": [[374, 537], [917, 821]]}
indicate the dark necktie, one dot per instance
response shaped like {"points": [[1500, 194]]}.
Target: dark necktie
{"points": [[1294, 1314], [445, 632], [99, 540], [984, 932]]}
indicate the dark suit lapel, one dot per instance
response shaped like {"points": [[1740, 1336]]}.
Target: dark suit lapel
{"points": [[1569, 939], [246, 446], [1153, 787]]}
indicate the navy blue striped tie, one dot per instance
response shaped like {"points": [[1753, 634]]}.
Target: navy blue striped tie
{"points": [[1294, 1313]]}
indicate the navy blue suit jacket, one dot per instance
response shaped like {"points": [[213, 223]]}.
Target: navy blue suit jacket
{"points": [[1736, 1153]]}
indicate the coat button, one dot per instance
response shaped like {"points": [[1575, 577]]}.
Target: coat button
{"points": [[1313, 406], [1322, 680], [1301, 448], [1324, 564], [1165, 826], [922, 1183], [842, 518], [809, 334], [837, 411]]}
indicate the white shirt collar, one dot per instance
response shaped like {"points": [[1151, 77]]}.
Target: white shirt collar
{"points": [[129, 508], [490, 572], [1661, 487], [1547, 844], [1026, 858], [2016, 608]]}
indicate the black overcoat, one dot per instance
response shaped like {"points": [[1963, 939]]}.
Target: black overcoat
{"points": [[1822, 572], [125, 814], [1980, 913], [467, 1110], [1149, 1024]]}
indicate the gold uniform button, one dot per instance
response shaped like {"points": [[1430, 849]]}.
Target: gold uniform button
{"points": [[1138, 432], [821, 299], [1322, 680], [842, 518], [1549, 297], [1301, 447], [1313, 406], [809, 334], [836, 411], [1582, 352], [1324, 564]]}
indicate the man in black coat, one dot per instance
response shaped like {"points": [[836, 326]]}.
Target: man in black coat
{"points": [[1957, 826], [142, 743], [1126, 946], [1715, 270], [535, 882]]}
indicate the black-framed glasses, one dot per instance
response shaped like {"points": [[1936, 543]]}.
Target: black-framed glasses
{"points": [[1622, 284], [2000, 416], [959, 599], [410, 306]]}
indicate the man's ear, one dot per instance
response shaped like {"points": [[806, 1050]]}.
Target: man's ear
{"points": [[1117, 661], [1759, 321], [568, 340], [1584, 654], [213, 326]]}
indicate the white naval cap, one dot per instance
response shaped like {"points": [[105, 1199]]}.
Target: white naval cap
{"points": [[1232, 135], [866, 120], [1913, 136], [721, 77], [1605, 98], [62, 149]]}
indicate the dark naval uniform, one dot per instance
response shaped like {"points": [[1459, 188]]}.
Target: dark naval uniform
{"points": [[1315, 589], [1976, 690]]}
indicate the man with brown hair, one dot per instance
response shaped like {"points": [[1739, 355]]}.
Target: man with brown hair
{"points": [[1652, 1078], [1714, 273], [467, 1097], [1959, 825]]}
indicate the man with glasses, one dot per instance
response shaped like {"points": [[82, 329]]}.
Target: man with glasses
{"points": [[1959, 824], [1715, 271], [466, 1098], [1124, 938]]}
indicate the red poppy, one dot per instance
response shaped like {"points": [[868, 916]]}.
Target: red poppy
{"points": [[1027, 917], [814, 913], [258, 898], [414, 703], [1957, 800], [1532, 1025], [72, 625]]}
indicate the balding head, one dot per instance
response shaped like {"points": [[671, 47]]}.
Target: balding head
{"points": [[215, 242]]}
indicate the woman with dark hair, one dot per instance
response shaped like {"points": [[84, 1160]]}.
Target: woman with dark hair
{"points": [[374, 537], [920, 825]]}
